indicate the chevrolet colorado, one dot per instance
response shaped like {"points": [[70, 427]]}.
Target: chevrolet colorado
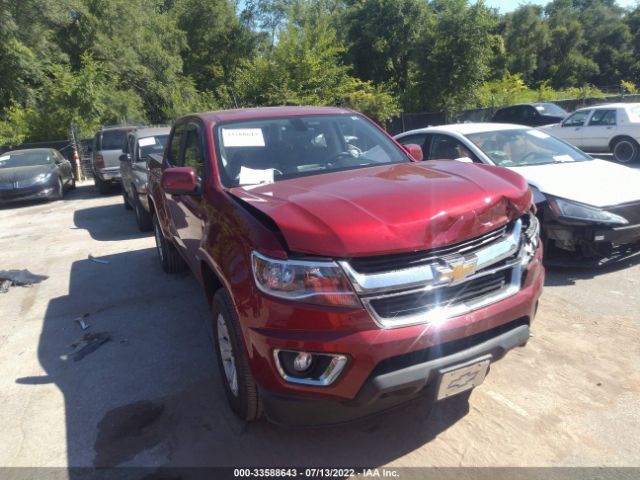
{"points": [[345, 276]]}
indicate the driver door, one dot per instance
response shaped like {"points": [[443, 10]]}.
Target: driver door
{"points": [[572, 129]]}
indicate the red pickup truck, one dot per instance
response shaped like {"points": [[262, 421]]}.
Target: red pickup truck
{"points": [[345, 276]]}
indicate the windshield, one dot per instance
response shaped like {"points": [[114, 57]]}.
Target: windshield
{"points": [[550, 109], [524, 147], [269, 150], [24, 159], [149, 145], [113, 139]]}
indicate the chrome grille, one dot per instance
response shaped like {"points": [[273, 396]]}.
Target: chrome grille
{"points": [[422, 302], [422, 287]]}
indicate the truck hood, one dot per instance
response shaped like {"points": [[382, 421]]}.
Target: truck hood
{"points": [[594, 182], [391, 208]]}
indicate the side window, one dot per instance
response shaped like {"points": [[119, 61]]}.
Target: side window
{"points": [[419, 139], [577, 119], [447, 148], [528, 112], [192, 156], [174, 148], [603, 118]]}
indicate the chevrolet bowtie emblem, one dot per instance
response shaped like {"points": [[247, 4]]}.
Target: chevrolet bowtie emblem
{"points": [[456, 269]]}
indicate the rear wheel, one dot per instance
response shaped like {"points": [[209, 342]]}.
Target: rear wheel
{"points": [[143, 218], [625, 150], [103, 187], [239, 386], [170, 259]]}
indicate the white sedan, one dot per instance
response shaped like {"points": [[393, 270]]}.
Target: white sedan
{"points": [[586, 205], [613, 127]]}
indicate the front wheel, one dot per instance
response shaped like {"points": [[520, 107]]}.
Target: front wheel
{"points": [[239, 386], [58, 190], [170, 259], [143, 218], [625, 150]]}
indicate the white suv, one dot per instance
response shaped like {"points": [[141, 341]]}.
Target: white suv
{"points": [[613, 127]]}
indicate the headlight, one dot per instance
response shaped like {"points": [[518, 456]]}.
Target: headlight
{"points": [[311, 282], [42, 178], [578, 211]]}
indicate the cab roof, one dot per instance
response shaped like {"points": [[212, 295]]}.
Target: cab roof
{"points": [[241, 114]]}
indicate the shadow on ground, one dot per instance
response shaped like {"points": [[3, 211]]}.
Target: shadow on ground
{"points": [[572, 271], [147, 392], [107, 223]]}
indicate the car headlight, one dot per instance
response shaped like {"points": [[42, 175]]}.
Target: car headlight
{"points": [[304, 281], [578, 211], [42, 178]]}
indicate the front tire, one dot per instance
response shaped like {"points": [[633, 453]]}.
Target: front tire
{"points": [[143, 218], [125, 199], [58, 190], [170, 259], [625, 150], [240, 388]]}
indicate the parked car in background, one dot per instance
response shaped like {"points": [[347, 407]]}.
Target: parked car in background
{"points": [[138, 145], [344, 277], [530, 114], [34, 174], [105, 156], [613, 127], [586, 205]]}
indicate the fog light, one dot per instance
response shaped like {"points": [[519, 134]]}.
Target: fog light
{"points": [[302, 361], [309, 368]]}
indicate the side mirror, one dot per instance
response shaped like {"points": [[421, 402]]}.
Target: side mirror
{"points": [[125, 157], [415, 151], [179, 181]]}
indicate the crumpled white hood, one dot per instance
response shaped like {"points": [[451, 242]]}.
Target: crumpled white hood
{"points": [[596, 182]]}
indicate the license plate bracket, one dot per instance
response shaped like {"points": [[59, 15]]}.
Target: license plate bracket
{"points": [[462, 377]]}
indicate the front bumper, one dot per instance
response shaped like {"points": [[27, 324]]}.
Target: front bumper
{"points": [[388, 387], [37, 192], [591, 240], [387, 367]]}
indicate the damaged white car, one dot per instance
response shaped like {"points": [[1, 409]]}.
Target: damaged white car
{"points": [[585, 205]]}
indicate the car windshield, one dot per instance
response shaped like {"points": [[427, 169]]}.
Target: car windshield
{"points": [[113, 139], [149, 145], [24, 159], [550, 109], [269, 150], [525, 147]]}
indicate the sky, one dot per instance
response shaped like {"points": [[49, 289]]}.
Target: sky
{"points": [[508, 5]]}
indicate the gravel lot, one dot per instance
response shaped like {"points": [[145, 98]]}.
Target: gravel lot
{"points": [[151, 394]]}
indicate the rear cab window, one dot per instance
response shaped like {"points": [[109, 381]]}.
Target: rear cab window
{"points": [[112, 139]]}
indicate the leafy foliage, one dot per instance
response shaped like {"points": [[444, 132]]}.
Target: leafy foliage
{"points": [[91, 62]]}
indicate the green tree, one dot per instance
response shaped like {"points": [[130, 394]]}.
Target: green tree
{"points": [[383, 38], [455, 56], [304, 67], [526, 38]]}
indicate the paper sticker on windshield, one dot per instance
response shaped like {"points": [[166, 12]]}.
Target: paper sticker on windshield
{"points": [[538, 134], [563, 158], [540, 108], [145, 142], [252, 176], [242, 137]]}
